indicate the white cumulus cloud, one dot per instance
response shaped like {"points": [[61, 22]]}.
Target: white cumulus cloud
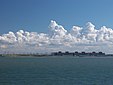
{"points": [[86, 38]]}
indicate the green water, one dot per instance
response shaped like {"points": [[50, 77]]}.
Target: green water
{"points": [[56, 71]]}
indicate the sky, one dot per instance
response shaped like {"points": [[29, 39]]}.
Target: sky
{"points": [[35, 15], [42, 23]]}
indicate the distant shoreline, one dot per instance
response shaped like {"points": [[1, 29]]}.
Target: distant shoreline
{"points": [[61, 54], [23, 55]]}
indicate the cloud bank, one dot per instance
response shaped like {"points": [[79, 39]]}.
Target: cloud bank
{"points": [[77, 39]]}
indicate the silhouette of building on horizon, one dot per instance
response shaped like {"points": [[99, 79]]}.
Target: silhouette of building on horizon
{"points": [[80, 54]]}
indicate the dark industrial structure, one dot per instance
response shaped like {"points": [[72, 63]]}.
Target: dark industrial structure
{"points": [[80, 54]]}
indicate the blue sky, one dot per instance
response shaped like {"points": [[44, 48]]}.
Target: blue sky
{"points": [[35, 15], [68, 31]]}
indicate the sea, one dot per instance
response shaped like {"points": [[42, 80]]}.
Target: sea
{"points": [[56, 70]]}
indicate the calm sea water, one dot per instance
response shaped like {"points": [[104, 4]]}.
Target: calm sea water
{"points": [[56, 71]]}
